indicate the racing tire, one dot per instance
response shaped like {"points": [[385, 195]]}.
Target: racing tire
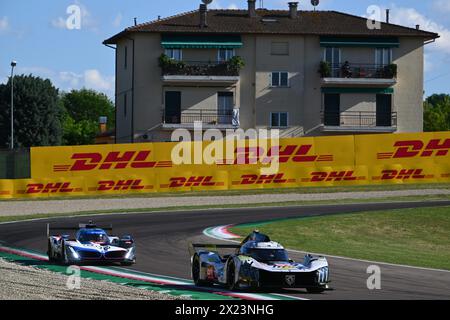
{"points": [[64, 260], [231, 275], [196, 273], [51, 258], [315, 290]]}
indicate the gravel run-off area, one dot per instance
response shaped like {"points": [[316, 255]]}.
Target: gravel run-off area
{"points": [[15, 208], [18, 282]]}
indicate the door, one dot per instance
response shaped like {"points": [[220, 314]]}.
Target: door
{"points": [[225, 106], [332, 104], [173, 107], [384, 110]]}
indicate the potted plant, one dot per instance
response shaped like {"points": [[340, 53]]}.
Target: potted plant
{"points": [[236, 64], [325, 69], [390, 71]]}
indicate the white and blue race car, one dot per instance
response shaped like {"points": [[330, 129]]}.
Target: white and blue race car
{"points": [[257, 263], [91, 244]]}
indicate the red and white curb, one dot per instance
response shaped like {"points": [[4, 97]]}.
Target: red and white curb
{"points": [[221, 233], [141, 277]]}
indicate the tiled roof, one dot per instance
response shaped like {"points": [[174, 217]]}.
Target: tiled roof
{"points": [[331, 23]]}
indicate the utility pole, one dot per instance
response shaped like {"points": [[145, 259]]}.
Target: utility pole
{"points": [[13, 65]]}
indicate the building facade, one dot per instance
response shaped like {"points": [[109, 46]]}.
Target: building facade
{"points": [[307, 73]]}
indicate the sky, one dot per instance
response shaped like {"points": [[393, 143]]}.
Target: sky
{"points": [[35, 34]]}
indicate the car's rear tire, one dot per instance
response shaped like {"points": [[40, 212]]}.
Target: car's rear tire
{"points": [[50, 255], [196, 269], [231, 276]]}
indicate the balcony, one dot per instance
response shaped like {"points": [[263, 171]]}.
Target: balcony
{"points": [[358, 74], [211, 119], [201, 71], [359, 121]]}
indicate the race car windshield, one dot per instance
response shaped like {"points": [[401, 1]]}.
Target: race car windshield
{"points": [[269, 255], [93, 237]]}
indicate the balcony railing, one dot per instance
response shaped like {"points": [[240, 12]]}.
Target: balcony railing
{"points": [[210, 117], [359, 119], [361, 71], [199, 68]]}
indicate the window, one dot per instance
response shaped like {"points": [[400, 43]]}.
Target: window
{"points": [[225, 106], [175, 54], [383, 56], [224, 55], [125, 105], [279, 119], [280, 49], [125, 65], [333, 57], [279, 79]]}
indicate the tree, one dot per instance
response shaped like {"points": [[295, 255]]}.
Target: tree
{"points": [[83, 109], [37, 113], [437, 113]]}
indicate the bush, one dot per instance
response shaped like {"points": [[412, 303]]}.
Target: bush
{"points": [[236, 63]]}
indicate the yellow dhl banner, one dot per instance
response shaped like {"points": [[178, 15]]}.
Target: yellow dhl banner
{"points": [[300, 162]]}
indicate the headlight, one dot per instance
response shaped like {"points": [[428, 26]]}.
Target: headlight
{"points": [[322, 275], [75, 254], [129, 254]]}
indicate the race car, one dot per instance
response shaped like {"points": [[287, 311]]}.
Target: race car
{"points": [[256, 263], [91, 244]]}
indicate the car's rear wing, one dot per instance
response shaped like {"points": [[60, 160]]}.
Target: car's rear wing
{"points": [[89, 225], [196, 247]]}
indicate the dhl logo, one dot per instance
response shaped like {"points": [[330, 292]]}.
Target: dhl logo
{"points": [[41, 188], [403, 174], [251, 179], [121, 185], [417, 148], [294, 153], [333, 176], [113, 160], [195, 181]]}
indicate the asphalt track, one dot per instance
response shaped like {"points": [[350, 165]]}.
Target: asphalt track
{"points": [[162, 243]]}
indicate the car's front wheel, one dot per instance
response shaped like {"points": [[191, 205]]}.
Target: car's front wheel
{"points": [[64, 258]]}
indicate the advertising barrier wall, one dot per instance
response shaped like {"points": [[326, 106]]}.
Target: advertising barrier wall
{"points": [[300, 162]]}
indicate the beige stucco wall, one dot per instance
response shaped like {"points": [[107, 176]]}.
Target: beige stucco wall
{"points": [[358, 102], [408, 92], [270, 99]]}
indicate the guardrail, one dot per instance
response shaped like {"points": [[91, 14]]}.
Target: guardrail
{"points": [[206, 116], [361, 119]]}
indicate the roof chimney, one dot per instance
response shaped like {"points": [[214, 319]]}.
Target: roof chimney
{"points": [[387, 15], [417, 26], [252, 8], [293, 8], [203, 16]]}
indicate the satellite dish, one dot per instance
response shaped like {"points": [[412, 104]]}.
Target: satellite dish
{"points": [[315, 3], [207, 1]]}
